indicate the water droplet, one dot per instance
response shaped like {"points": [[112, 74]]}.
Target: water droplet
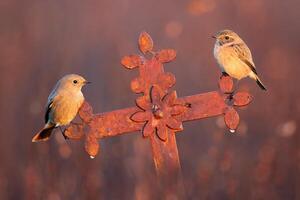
{"points": [[232, 130], [92, 157]]}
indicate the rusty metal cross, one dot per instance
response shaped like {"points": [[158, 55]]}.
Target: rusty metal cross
{"points": [[158, 113]]}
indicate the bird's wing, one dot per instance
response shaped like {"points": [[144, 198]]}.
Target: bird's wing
{"points": [[244, 54], [49, 106], [52, 96], [48, 110]]}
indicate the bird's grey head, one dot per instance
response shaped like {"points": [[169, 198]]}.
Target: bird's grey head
{"points": [[72, 82], [226, 37]]}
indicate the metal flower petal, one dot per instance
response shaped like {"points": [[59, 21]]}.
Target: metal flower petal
{"points": [[174, 124], [132, 61], [166, 55], [242, 99], [74, 131], [86, 112], [143, 103], [170, 98], [145, 42], [166, 80], [91, 145], [141, 116], [162, 132], [178, 109], [231, 119], [137, 85], [147, 129], [226, 84], [155, 94]]}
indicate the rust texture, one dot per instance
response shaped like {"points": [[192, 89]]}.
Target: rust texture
{"points": [[158, 113]]}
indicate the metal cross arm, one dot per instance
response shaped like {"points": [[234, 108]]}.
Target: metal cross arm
{"points": [[158, 113]]}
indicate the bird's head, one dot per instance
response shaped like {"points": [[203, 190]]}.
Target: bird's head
{"points": [[73, 82], [226, 37]]}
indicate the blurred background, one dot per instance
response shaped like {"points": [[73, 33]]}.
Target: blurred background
{"points": [[40, 41]]}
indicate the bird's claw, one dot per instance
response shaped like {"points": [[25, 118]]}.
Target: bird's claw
{"points": [[224, 74], [63, 133], [65, 136], [230, 96]]}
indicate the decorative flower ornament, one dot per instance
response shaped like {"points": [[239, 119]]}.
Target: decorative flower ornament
{"points": [[158, 113]]}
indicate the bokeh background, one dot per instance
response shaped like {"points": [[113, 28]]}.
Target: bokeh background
{"points": [[40, 41]]}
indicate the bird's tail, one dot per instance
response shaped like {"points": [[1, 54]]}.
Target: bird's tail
{"points": [[260, 84], [44, 134], [258, 81]]}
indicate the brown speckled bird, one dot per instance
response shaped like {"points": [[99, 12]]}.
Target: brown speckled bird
{"points": [[234, 57]]}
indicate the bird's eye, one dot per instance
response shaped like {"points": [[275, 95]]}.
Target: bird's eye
{"points": [[75, 81], [226, 37]]}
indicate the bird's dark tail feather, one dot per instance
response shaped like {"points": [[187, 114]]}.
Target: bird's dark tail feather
{"points": [[260, 84], [43, 135]]}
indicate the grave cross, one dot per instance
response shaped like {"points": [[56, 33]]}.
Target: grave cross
{"points": [[158, 113]]}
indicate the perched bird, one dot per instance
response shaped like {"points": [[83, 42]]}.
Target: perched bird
{"points": [[234, 57], [63, 104]]}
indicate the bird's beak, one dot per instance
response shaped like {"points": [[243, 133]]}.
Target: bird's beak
{"points": [[87, 82], [213, 36]]}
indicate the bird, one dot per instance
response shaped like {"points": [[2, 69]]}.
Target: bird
{"points": [[234, 57], [63, 104]]}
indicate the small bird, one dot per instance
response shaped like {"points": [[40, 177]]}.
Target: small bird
{"points": [[234, 57], [63, 104]]}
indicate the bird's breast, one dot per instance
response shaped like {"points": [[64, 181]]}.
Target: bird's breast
{"points": [[230, 63], [65, 108]]}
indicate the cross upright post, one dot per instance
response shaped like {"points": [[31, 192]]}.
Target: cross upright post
{"points": [[158, 113]]}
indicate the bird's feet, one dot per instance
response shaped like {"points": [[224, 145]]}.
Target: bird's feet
{"points": [[230, 96], [224, 74], [65, 136], [63, 133]]}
